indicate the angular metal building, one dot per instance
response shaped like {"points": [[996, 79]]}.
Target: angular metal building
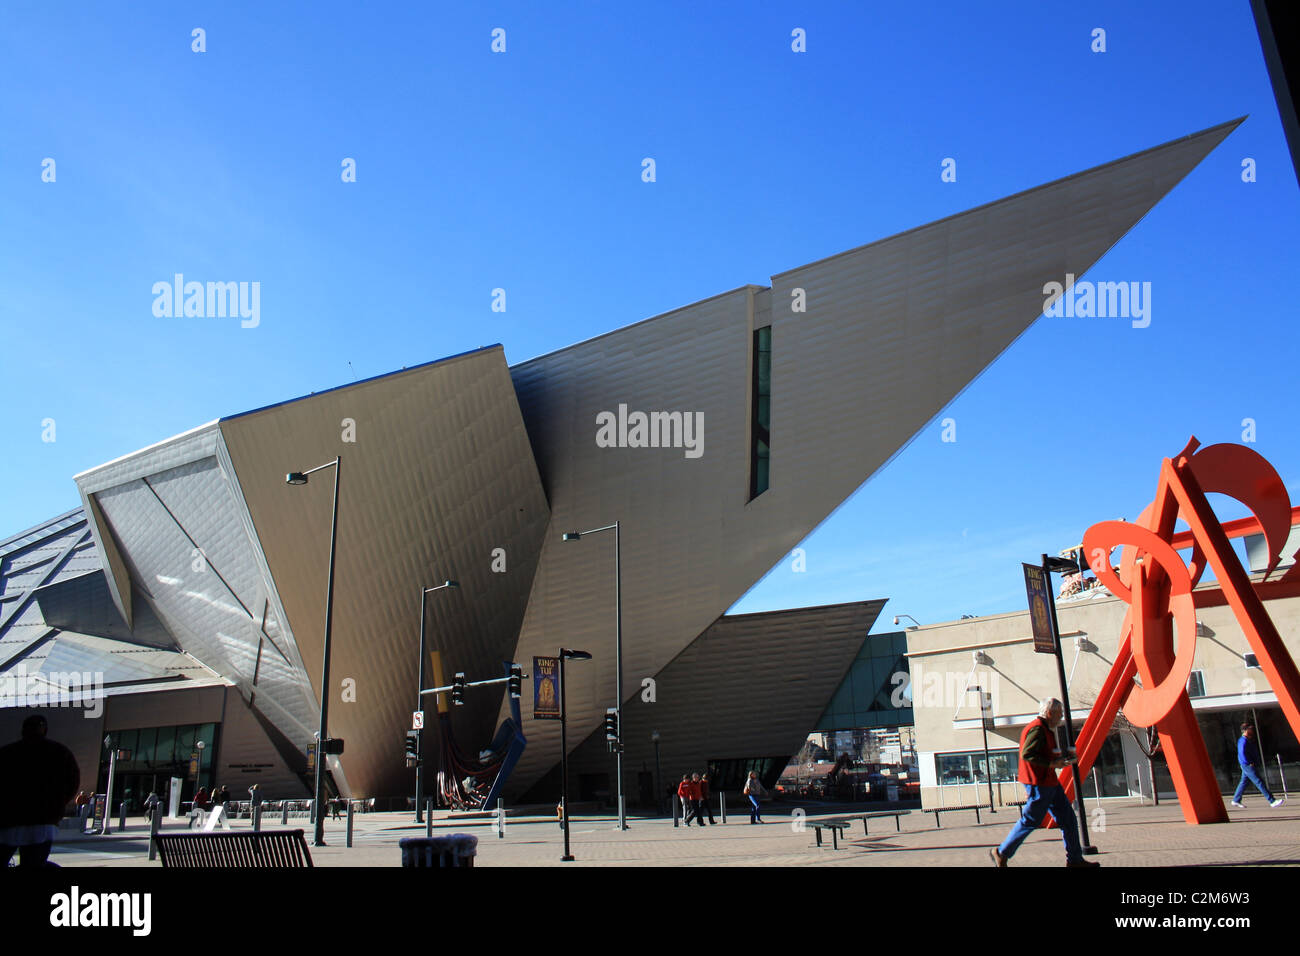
{"points": [[718, 435]]}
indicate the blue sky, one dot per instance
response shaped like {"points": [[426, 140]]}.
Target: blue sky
{"points": [[522, 170]]}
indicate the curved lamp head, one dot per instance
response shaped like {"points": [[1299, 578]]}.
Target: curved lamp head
{"points": [[451, 584], [571, 536], [574, 655], [295, 478]]}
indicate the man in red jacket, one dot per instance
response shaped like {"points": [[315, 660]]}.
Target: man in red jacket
{"points": [[1039, 761]]}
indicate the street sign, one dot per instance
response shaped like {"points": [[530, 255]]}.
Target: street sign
{"points": [[417, 720], [546, 688], [1040, 617]]}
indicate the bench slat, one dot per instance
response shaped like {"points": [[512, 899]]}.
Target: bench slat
{"points": [[268, 848]]}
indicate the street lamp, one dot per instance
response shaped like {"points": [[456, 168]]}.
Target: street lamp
{"points": [[300, 478], [566, 654], [985, 700], [914, 621], [618, 659], [419, 705]]}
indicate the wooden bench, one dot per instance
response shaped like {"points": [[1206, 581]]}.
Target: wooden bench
{"points": [[234, 850], [938, 810]]}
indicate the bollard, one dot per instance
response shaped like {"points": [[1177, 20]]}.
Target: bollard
{"points": [[154, 820], [257, 818], [284, 813], [351, 813], [722, 807], [1282, 774], [121, 817], [428, 818], [1096, 786], [501, 818], [311, 804], [677, 805]]}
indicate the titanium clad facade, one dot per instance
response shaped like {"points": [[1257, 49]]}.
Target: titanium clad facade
{"points": [[440, 476], [892, 333], [752, 685]]}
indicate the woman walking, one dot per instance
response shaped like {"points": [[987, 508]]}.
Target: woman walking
{"points": [[754, 790]]}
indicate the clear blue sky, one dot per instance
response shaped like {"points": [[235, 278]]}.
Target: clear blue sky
{"points": [[522, 170]]}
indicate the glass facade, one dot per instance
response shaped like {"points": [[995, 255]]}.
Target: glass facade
{"points": [[761, 413], [156, 755], [872, 693]]}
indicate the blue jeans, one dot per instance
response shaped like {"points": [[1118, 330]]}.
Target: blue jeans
{"points": [[1039, 801], [1248, 773], [754, 816]]}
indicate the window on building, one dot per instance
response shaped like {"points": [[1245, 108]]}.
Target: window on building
{"points": [[971, 767], [761, 412]]}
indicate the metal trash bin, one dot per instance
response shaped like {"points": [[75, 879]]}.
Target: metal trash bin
{"points": [[454, 849]]}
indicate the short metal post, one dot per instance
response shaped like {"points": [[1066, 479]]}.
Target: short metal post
{"points": [[501, 818], [351, 813], [121, 818], [722, 806], [154, 820], [311, 804], [677, 805], [1281, 773], [1096, 784], [428, 818], [284, 813], [257, 818]]}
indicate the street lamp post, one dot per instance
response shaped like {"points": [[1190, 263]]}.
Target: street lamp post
{"points": [[566, 654], [419, 705], [300, 478], [984, 726], [618, 659]]}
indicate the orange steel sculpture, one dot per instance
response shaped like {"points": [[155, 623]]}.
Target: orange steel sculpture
{"points": [[1161, 593]]}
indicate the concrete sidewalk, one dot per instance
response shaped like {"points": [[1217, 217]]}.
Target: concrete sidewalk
{"points": [[1128, 835]]}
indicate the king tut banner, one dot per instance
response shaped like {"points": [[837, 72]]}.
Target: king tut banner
{"points": [[546, 688]]}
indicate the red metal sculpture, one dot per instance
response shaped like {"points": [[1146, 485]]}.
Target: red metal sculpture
{"points": [[1162, 595]]}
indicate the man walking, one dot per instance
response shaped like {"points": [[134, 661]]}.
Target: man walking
{"points": [[1248, 757], [1039, 761], [697, 796], [684, 794], [705, 794]]}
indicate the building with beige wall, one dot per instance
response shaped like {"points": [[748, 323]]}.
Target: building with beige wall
{"points": [[996, 653]]}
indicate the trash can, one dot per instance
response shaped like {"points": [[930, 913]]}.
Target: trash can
{"points": [[455, 849]]}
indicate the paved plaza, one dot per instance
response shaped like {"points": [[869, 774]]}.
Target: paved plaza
{"points": [[1126, 833]]}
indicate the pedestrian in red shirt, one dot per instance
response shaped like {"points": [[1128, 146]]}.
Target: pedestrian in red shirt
{"points": [[684, 793], [1040, 759]]}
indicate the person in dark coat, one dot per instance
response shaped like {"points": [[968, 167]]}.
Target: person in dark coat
{"points": [[38, 777]]}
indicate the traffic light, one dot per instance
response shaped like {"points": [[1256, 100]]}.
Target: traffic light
{"points": [[516, 681], [458, 689], [611, 725], [412, 747]]}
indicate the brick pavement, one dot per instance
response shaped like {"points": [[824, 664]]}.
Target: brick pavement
{"points": [[1128, 835]]}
